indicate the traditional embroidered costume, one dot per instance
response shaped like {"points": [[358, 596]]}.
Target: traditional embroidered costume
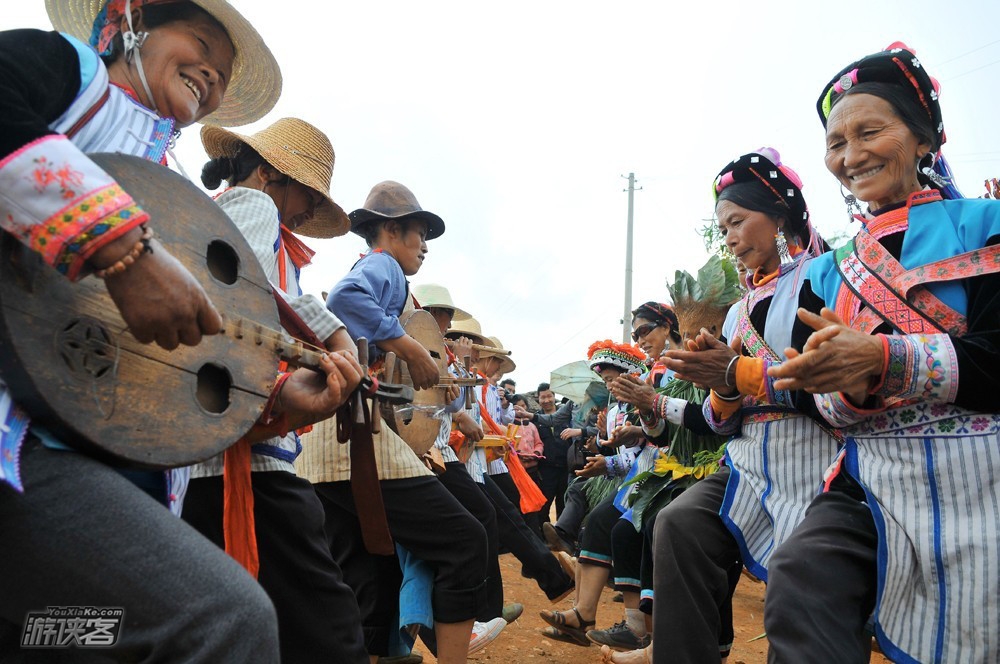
{"points": [[924, 276]]}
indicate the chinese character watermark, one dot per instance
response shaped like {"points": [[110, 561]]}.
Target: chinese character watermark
{"points": [[65, 626]]}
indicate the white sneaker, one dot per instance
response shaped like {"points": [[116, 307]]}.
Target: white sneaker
{"points": [[484, 633]]}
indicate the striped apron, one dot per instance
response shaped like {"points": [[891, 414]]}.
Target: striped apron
{"points": [[932, 476]]}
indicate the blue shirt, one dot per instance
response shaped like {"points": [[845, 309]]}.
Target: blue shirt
{"points": [[370, 298]]}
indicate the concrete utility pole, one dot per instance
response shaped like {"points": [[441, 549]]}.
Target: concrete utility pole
{"points": [[627, 316]]}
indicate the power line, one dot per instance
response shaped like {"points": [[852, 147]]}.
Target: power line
{"points": [[964, 73], [959, 57]]}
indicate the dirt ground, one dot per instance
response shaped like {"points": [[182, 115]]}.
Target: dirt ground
{"points": [[522, 641]]}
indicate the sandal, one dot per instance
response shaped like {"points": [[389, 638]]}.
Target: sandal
{"points": [[578, 634], [556, 635]]}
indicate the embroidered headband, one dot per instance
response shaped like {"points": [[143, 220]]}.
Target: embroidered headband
{"points": [[764, 166], [896, 65], [107, 24], [624, 357], [657, 312]]}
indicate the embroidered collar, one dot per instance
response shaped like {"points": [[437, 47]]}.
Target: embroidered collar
{"points": [[896, 220]]}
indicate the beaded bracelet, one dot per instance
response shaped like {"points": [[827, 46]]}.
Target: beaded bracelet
{"points": [[141, 247]]}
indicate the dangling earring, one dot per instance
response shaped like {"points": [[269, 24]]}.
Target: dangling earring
{"points": [[853, 206], [782, 244], [926, 166]]}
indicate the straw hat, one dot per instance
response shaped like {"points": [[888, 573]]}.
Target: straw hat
{"points": [[506, 364], [468, 327], [433, 295], [255, 85], [391, 200], [300, 151]]}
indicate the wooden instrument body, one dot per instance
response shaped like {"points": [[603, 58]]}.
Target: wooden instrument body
{"points": [[69, 362], [416, 424]]}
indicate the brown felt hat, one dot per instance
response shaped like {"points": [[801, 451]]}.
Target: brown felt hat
{"points": [[391, 200], [298, 150]]}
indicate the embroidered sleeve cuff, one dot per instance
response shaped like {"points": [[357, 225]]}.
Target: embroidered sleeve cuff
{"points": [[839, 412], [771, 395], [653, 429], [673, 410], [61, 204], [723, 425], [920, 366]]}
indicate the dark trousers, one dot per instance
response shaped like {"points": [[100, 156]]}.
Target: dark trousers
{"points": [[318, 616], [626, 551], [554, 481], [459, 483], [696, 564], [595, 544], [821, 585], [536, 560], [506, 484], [430, 523], [574, 511], [82, 535]]}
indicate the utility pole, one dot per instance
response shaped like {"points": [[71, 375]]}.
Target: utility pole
{"points": [[627, 316]]}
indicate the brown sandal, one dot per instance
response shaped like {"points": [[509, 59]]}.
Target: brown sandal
{"points": [[578, 635]]}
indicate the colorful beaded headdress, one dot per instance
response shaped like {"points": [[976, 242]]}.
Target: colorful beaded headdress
{"points": [[764, 166], [896, 65], [624, 357]]}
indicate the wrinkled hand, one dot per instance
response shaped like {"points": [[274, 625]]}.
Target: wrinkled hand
{"points": [[630, 389], [596, 465], [705, 362], [308, 397], [161, 301], [627, 435], [566, 434], [469, 428], [835, 358]]}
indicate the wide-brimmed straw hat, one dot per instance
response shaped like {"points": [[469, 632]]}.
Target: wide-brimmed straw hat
{"points": [[468, 328], [300, 151], [255, 84], [506, 364], [391, 200], [435, 295]]}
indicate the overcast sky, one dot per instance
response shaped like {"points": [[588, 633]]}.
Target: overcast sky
{"points": [[516, 121]]}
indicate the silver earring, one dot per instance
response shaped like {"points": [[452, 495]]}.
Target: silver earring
{"points": [[853, 206], [926, 166], [782, 244]]}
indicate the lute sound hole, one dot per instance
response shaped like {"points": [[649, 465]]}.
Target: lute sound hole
{"points": [[214, 383]]}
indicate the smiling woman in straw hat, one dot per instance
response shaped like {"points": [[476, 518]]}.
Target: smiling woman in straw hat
{"points": [[291, 161], [184, 598], [241, 89], [280, 178]]}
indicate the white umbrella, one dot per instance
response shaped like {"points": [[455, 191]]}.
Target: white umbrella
{"points": [[578, 382]]}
